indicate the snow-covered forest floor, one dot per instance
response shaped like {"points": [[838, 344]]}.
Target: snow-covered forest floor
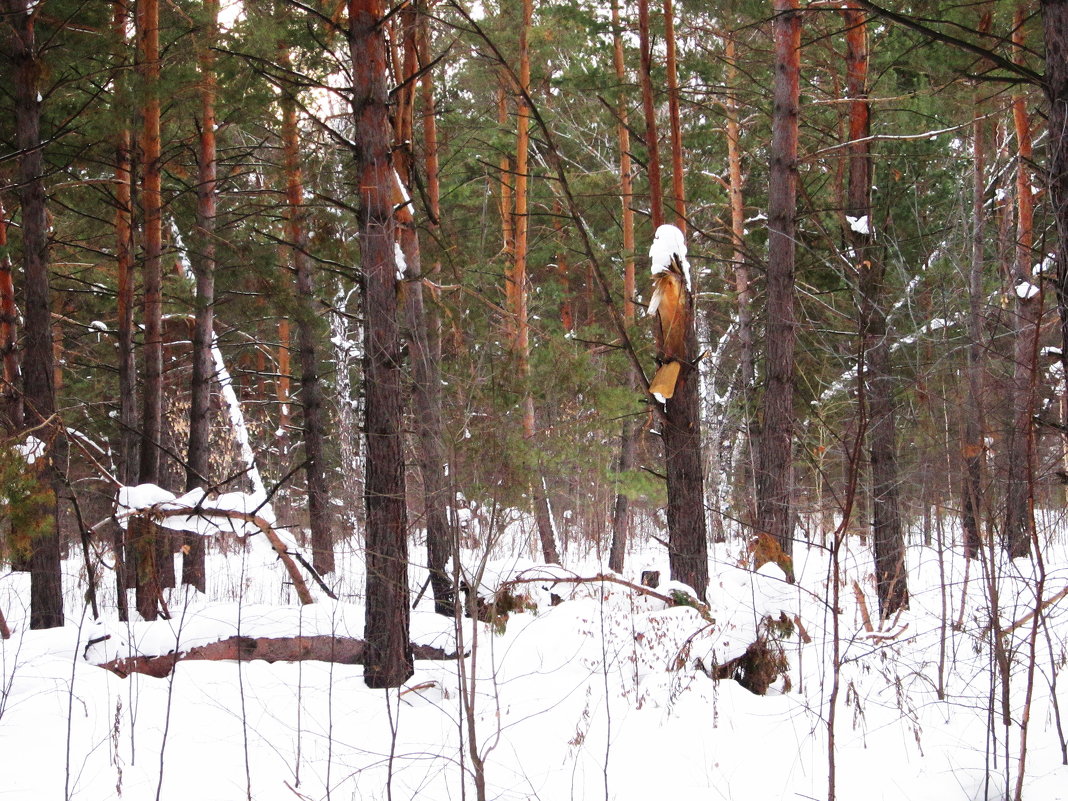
{"points": [[605, 694]]}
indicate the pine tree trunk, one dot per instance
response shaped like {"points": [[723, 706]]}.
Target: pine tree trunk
{"points": [[972, 447], [423, 349], [311, 391], [389, 654], [652, 144], [678, 185], [46, 586], [128, 439], [775, 450], [282, 383], [151, 198], [149, 470], [741, 268], [687, 530], [198, 460], [887, 531], [518, 283], [10, 398], [1019, 518], [1055, 34], [629, 436]]}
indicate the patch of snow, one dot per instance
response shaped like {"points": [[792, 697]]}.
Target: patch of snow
{"points": [[860, 225]]}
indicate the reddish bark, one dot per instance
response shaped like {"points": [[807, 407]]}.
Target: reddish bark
{"points": [[629, 435], [389, 655], [652, 144], [198, 460], [320, 514], [11, 410], [678, 184]]}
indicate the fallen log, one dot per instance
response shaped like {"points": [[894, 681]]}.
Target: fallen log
{"points": [[319, 648]]}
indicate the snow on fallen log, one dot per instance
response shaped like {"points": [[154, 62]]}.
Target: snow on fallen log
{"points": [[237, 513], [317, 648]]}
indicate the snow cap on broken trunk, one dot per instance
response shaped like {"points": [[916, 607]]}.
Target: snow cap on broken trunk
{"points": [[669, 242]]}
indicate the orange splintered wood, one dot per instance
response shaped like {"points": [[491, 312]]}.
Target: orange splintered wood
{"points": [[669, 305], [663, 383]]}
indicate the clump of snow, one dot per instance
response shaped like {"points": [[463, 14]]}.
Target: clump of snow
{"points": [[859, 225], [32, 449], [401, 264], [669, 245], [1025, 290]]}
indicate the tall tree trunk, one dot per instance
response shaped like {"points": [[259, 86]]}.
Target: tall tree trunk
{"points": [[198, 459], [128, 439], [629, 435], [518, 282], [308, 310], [1055, 34], [507, 170], [775, 451], [652, 143], [149, 471], [282, 384], [422, 340], [678, 185], [46, 585], [743, 293], [1019, 517], [887, 532], [676, 345], [972, 447], [389, 654], [10, 398], [151, 199]]}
